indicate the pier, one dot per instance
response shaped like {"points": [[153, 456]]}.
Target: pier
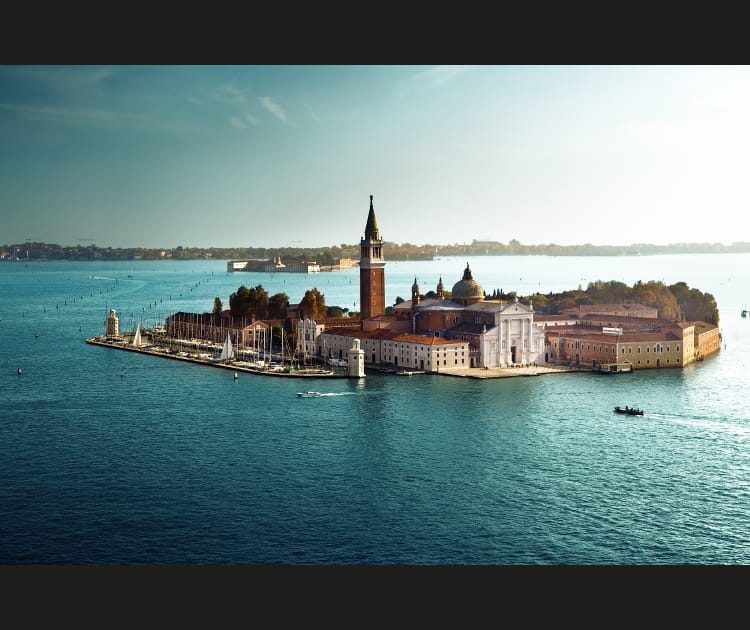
{"points": [[616, 368], [207, 359]]}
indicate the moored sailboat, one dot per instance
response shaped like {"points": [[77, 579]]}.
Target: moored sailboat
{"points": [[227, 352], [137, 336]]}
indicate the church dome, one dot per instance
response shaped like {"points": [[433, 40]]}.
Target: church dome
{"points": [[467, 290]]}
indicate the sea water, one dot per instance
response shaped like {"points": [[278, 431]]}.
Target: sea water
{"points": [[112, 457]]}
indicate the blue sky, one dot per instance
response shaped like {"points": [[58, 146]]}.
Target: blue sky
{"points": [[278, 156]]}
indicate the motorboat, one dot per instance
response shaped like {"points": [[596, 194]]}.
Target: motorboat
{"points": [[631, 411], [309, 394]]}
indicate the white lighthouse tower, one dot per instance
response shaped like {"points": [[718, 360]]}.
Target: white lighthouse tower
{"points": [[356, 360], [113, 324]]}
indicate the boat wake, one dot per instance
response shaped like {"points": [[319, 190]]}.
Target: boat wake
{"points": [[322, 394], [709, 424]]}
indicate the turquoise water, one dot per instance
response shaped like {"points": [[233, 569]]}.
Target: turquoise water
{"points": [[176, 463]]}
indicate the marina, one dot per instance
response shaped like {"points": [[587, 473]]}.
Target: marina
{"points": [[204, 358]]}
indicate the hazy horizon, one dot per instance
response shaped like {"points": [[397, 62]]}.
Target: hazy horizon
{"points": [[238, 156], [478, 243]]}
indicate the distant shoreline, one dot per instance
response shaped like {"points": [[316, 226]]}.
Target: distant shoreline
{"points": [[329, 256]]}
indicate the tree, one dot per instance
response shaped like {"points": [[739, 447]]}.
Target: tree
{"points": [[657, 295], [259, 302], [278, 304], [239, 302], [218, 307], [246, 302], [313, 305], [612, 292]]}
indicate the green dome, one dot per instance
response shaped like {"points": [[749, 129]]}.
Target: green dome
{"points": [[467, 289]]}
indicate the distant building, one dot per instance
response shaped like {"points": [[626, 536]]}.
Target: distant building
{"points": [[276, 266]]}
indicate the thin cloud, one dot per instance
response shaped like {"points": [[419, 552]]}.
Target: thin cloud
{"points": [[62, 77], [273, 107], [62, 114], [243, 122], [103, 118], [429, 79], [439, 75], [230, 94]]}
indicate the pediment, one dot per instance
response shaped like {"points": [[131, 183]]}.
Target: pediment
{"points": [[517, 307]]}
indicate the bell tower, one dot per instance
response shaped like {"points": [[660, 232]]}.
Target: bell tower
{"points": [[371, 270], [415, 293]]}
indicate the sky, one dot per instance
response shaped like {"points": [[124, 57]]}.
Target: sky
{"points": [[288, 156]]}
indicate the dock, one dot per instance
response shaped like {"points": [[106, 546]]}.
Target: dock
{"points": [[616, 368], [205, 359]]}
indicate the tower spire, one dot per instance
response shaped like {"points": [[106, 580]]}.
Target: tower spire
{"points": [[371, 229], [415, 293]]}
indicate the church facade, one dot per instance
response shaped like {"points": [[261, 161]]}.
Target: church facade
{"points": [[500, 334]]}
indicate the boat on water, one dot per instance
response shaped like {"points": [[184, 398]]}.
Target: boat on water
{"points": [[631, 411], [309, 394]]}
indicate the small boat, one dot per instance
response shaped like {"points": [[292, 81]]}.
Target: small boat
{"points": [[227, 352], [631, 411], [137, 336], [309, 394]]}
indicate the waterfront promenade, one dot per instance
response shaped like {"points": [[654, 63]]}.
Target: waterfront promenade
{"points": [[205, 359], [478, 373], [532, 370]]}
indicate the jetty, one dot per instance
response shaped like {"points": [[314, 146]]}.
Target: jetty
{"points": [[204, 358], [616, 368]]}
